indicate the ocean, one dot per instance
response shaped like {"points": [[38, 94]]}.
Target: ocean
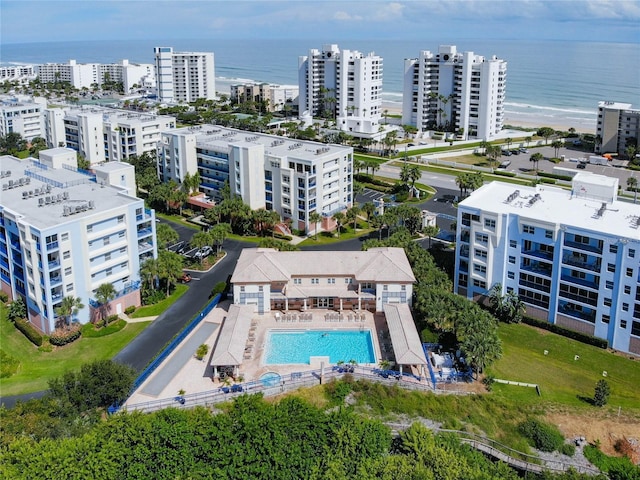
{"points": [[558, 83]]}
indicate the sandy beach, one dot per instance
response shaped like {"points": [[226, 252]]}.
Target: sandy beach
{"points": [[520, 120]]}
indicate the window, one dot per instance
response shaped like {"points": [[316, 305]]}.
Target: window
{"points": [[331, 281], [482, 238], [121, 234], [89, 228], [479, 268], [66, 255], [260, 287], [106, 241], [403, 288], [528, 229], [607, 302], [611, 268], [69, 287], [512, 259], [480, 253], [635, 328], [623, 324], [67, 271], [513, 243], [627, 289], [297, 281], [385, 287], [107, 256], [315, 281], [64, 237], [581, 239], [629, 272], [548, 234], [613, 249], [606, 318], [488, 223], [632, 253], [608, 285], [109, 271], [348, 280], [578, 274], [511, 275], [121, 219], [479, 283]]}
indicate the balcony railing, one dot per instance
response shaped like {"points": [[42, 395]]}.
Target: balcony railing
{"points": [[52, 246], [127, 289], [53, 281], [584, 246], [145, 232], [538, 269], [539, 253], [576, 262], [53, 264], [569, 310], [579, 281]]}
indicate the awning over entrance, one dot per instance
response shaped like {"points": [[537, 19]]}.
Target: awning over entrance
{"points": [[229, 349], [404, 336]]}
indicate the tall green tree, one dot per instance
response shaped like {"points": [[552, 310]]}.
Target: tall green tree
{"points": [[69, 308], [535, 158], [170, 266], [150, 271], [339, 218], [315, 218], [352, 216], [166, 235], [546, 133], [104, 294], [556, 145], [632, 185]]}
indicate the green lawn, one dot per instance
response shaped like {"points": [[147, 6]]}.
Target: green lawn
{"points": [[158, 308], [561, 378], [36, 367], [347, 233]]}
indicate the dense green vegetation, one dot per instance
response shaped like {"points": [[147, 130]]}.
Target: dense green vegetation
{"points": [[251, 439], [161, 306]]}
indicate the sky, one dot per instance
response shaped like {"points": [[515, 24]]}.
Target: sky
{"points": [[27, 21]]}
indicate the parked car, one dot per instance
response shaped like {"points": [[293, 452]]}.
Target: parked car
{"points": [[581, 165], [203, 252], [523, 150], [185, 278], [515, 151], [506, 153]]}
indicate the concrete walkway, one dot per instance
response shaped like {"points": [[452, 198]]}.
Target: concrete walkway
{"points": [[129, 319]]}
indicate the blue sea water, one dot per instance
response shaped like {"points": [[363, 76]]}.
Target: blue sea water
{"points": [[558, 81]]}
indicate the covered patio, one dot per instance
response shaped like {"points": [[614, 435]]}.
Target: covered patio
{"points": [[335, 297], [231, 345], [405, 340]]}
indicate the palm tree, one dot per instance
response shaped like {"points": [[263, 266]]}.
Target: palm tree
{"points": [[339, 218], [104, 294], [632, 184], [414, 175], [528, 140], [170, 266], [431, 231], [493, 153], [218, 234], [352, 216], [315, 218], [535, 158], [150, 270], [508, 142], [69, 307], [200, 240], [557, 145], [368, 208]]}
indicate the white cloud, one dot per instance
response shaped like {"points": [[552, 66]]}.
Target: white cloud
{"points": [[343, 16]]}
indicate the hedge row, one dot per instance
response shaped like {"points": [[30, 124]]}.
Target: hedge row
{"points": [[565, 332], [29, 331], [63, 337], [557, 176], [550, 181], [543, 436], [364, 178], [89, 331], [502, 173]]}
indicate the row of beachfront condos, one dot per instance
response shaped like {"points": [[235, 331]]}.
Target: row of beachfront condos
{"points": [[451, 90]]}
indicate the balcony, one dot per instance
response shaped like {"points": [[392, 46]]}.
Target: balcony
{"points": [[53, 264], [575, 261], [55, 280], [52, 246], [144, 247], [570, 309], [585, 246], [539, 253], [580, 281], [539, 268], [144, 232]]}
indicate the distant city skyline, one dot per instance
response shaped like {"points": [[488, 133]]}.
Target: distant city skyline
{"points": [[27, 21]]}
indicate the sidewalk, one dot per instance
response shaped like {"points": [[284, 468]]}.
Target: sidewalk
{"points": [[128, 319]]}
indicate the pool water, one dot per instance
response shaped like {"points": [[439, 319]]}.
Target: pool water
{"points": [[285, 347], [270, 379]]}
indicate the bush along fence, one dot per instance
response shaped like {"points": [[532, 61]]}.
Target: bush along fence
{"points": [[565, 332], [155, 363]]}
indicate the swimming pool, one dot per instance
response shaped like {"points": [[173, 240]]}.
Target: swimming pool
{"points": [[285, 347]]}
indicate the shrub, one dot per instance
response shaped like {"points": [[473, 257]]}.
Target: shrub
{"points": [[565, 332], [8, 364], [488, 382], [4, 298], [111, 319], [542, 436], [556, 176], [338, 390], [63, 337], [202, 351], [555, 160], [89, 331], [549, 181], [129, 310], [617, 468], [568, 449], [280, 236], [29, 331], [46, 347], [17, 310], [219, 287], [150, 297], [601, 394]]}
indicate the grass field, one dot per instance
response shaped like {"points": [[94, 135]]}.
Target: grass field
{"points": [[561, 378], [158, 308], [37, 368]]}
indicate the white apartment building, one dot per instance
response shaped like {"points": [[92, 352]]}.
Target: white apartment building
{"points": [[274, 96], [618, 124], [292, 177], [64, 233], [102, 134], [344, 83], [456, 92], [571, 256], [17, 73], [84, 75], [23, 115], [184, 76], [78, 75]]}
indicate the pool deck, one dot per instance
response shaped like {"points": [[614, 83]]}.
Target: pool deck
{"points": [[194, 376]]}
